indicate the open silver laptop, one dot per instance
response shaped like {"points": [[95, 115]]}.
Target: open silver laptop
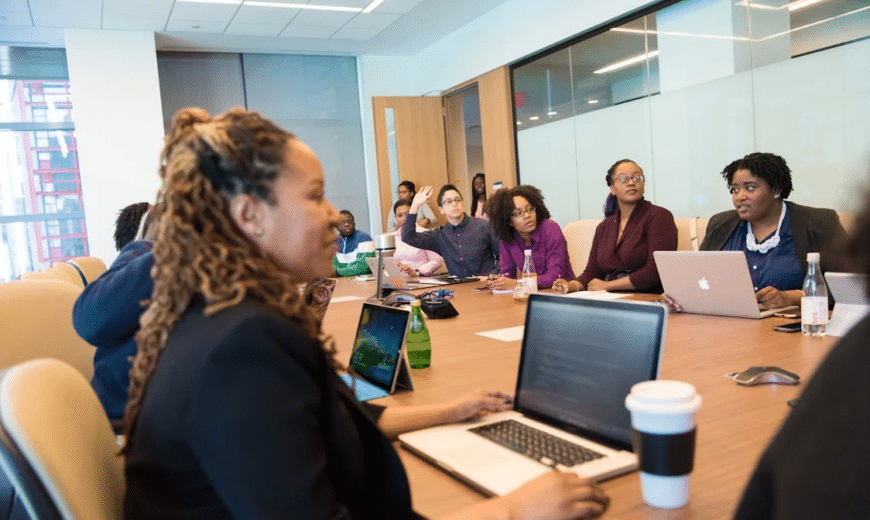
{"points": [[710, 282], [850, 301], [579, 360]]}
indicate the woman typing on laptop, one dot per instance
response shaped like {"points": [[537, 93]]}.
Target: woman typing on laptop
{"points": [[774, 234], [621, 258], [235, 409]]}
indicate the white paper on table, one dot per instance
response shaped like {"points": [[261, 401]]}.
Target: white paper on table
{"points": [[508, 334], [339, 299], [597, 295]]}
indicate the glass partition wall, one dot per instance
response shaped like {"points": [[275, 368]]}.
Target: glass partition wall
{"points": [[683, 88]]}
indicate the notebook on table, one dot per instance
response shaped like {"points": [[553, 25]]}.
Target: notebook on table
{"points": [[711, 282], [378, 359], [578, 361], [851, 303]]}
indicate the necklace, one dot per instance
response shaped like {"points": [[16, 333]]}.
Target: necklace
{"points": [[770, 243]]}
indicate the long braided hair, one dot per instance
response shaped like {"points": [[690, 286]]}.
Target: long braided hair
{"points": [[199, 251]]}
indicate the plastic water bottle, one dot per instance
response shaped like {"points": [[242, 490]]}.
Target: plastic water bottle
{"points": [[529, 277], [417, 341], [814, 304]]}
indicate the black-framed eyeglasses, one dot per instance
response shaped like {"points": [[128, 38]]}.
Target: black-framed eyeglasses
{"points": [[447, 202], [437, 295], [522, 213]]}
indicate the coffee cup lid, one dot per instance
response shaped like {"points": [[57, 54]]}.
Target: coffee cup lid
{"points": [[663, 396]]}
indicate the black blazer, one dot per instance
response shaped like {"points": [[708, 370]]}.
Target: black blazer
{"points": [[814, 229], [244, 418]]}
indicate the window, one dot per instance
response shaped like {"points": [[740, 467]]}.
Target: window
{"points": [[41, 216]]}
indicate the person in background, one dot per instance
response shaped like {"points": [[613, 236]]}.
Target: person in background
{"points": [[818, 464], [775, 234], [411, 260], [354, 246], [127, 226], [521, 220], [235, 407], [478, 188], [467, 244], [406, 191], [621, 258], [106, 313]]}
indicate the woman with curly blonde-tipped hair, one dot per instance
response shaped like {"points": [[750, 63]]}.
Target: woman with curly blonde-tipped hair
{"points": [[235, 409]]}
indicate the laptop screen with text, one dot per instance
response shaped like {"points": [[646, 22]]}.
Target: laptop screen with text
{"points": [[580, 359]]}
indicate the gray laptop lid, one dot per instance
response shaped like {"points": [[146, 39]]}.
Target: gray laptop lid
{"points": [[580, 359], [709, 282]]}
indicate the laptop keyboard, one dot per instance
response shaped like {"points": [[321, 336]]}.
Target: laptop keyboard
{"points": [[536, 444]]}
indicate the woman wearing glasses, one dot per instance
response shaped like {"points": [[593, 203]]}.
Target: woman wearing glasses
{"points": [[621, 258], [521, 221]]}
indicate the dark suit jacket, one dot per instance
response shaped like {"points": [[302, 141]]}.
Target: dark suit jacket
{"points": [[818, 465], [814, 229], [244, 418]]}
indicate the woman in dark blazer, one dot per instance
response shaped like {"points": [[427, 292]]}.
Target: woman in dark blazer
{"points": [[775, 234], [235, 409]]}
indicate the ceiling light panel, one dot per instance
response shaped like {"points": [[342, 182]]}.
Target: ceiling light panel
{"points": [[291, 5], [397, 6]]}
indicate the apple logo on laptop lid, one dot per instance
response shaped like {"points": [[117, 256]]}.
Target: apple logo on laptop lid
{"points": [[704, 284]]}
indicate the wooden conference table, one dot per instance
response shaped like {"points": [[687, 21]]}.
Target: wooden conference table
{"points": [[735, 423]]}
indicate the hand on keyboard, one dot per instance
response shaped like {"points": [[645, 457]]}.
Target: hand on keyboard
{"points": [[557, 495]]}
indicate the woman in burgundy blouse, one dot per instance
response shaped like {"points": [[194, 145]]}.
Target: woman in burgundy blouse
{"points": [[621, 258]]}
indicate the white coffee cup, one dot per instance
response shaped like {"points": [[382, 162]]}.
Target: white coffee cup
{"points": [[663, 419]]}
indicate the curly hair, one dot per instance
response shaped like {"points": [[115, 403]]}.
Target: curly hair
{"points": [[770, 167], [127, 223], [500, 206], [199, 251]]}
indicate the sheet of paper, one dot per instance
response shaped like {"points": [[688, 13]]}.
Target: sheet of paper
{"points": [[339, 299], [508, 334], [598, 295]]}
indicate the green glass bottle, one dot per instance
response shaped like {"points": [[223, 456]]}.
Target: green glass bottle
{"points": [[417, 341]]}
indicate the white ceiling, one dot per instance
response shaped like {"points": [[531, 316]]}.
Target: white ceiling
{"points": [[395, 27]]}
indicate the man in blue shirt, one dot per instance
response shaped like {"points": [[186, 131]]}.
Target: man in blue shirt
{"points": [[467, 244]]}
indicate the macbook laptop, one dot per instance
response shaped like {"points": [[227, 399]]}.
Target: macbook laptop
{"points": [[378, 361], [710, 282], [850, 301], [579, 360]]}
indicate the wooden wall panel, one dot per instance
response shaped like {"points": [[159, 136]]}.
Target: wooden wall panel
{"points": [[497, 127], [422, 152]]}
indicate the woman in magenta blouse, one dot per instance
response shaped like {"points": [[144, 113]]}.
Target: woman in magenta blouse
{"points": [[621, 258], [521, 221]]}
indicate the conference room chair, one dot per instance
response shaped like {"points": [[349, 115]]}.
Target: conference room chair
{"points": [[68, 275], [56, 445], [90, 267], [37, 322], [579, 235], [690, 233]]}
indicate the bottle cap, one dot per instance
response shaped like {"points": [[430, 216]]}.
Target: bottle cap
{"points": [[813, 257], [415, 303]]}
